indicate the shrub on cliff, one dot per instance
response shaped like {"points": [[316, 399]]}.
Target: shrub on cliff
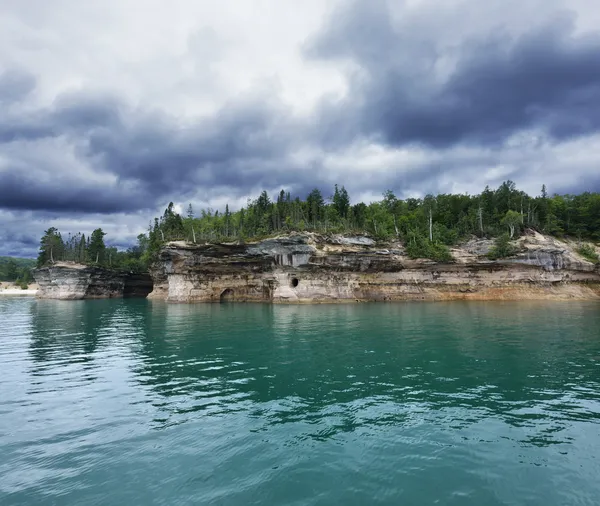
{"points": [[418, 246], [588, 252], [502, 248]]}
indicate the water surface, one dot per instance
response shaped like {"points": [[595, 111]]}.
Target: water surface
{"points": [[136, 402]]}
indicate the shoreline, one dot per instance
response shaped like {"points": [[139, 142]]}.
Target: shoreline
{"points": [[17, 292], [564, 293]]}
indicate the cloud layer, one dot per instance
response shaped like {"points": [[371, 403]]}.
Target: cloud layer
{"points": [[109, 111]]}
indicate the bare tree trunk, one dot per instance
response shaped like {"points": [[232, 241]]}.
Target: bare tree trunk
{"points": [[97, 256], [430, 226], [162, 234], [521, 210], [396, 227], [51, 257], [193, 234], [480, 216]]}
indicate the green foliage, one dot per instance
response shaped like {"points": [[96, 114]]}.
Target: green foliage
{"points": [[419, 246], [588, 252], [512, 220], [52, 247], [341, 202], [93, 252], [13, 269], [502, 247], [96, 250], [447, 218]]}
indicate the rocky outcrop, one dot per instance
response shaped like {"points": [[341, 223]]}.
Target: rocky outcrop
{"points": [[312, 268], [66, 280]]}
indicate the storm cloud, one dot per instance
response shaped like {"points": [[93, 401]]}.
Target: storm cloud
{"points": [[103, 123], [494, 85]]}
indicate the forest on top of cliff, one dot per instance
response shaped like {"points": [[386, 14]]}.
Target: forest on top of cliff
{"points": [[427, 226]]}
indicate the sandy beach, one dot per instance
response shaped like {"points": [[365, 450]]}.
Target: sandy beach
{"points": [[17, 291], [12, 289]]}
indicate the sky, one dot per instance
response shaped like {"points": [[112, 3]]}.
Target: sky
{"points": [[110, 109]]}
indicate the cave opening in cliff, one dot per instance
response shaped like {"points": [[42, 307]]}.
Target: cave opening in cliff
{"points": [[294, 282], [227, 295], [137, 285]]}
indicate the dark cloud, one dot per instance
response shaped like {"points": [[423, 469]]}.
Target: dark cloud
{"points": [[19, 191], [575, 185], [546, 79], [150, 151]]}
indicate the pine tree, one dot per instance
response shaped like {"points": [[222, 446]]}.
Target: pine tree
{"points": [[82, 253], [51, 247], [97, 248]]}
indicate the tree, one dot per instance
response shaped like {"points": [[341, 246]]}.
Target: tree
{"points": [[341, 202], [97, 248], [227, 219], [429, 204], [502, 248], [51, 247], [82, 253], [12, 270], [512, 220], [171, 225], [315, 204]]}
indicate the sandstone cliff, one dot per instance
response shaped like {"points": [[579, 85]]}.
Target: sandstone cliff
{"points": [[313, 268], [66, 280]]}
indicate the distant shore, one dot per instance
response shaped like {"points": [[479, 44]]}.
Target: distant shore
{"points": [[12, 289]]}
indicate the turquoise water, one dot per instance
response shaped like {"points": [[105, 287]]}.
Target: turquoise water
{"points": [[127, 402]]}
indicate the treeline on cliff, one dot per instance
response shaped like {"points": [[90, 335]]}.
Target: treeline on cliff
{"points": [[427, 226], [91, 250]]}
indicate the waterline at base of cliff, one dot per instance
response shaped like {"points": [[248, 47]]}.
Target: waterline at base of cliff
{"points": [[312, 268]]}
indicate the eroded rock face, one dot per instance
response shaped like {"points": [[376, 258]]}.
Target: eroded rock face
{"points": [[311, 268], [74, 281]]}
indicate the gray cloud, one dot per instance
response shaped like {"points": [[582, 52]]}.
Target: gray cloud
{"points": [[15, 85], [546, 79]]}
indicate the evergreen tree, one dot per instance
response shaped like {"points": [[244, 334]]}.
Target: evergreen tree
{"points": [[51, 247], [82, 253], [315, 204], [341, 202], [97, 248]]}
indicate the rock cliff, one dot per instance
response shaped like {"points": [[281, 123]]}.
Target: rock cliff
{"points": [[313, 268], [66, 280]]}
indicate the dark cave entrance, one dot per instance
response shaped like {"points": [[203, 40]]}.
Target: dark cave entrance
{"points": [[227, 295], [294, 282], [137, 285]]}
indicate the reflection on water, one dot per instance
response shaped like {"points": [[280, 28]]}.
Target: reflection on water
{"points": [[494, 403]]}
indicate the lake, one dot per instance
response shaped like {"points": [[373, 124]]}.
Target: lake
{"points": [[114, 402]]}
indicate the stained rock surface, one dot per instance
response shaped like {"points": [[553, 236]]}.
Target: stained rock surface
{"points": [[66, 280], [306, 267]]}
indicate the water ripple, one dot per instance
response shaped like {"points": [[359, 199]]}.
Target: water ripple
{"points": [[133, 402]]}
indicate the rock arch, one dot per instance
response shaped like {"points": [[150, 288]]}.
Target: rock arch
{"points": [[227, 295]]}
